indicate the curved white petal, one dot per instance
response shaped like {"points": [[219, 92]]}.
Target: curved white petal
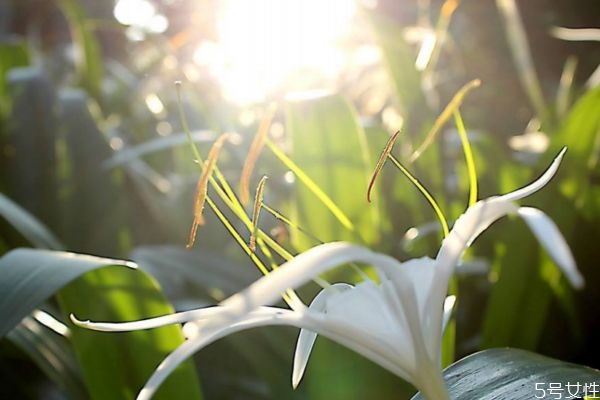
{"points": [[177, 318], [263, 316], [449, 304], [359, 341], [364, 343], [547, 233], [538, 183], [300, 270], [306, 338]]}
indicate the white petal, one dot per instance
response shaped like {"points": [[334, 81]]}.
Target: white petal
{"points": [[364, 343], [449, 304], [306, 338], [546, 231], [539, 183], [348, 336], [300, 270], [149, 323], [263, 316], [421, 272]]}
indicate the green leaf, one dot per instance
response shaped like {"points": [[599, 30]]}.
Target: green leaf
{"points": [[52, 353], [29, 161], [579, 132], [512, 374], [92, 205], [29, 277], [400, 62], [13, 53], [115, 366], [159, 144], [89, 61], [27, 225], [329, 145]]}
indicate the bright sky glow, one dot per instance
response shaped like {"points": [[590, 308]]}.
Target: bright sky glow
{"points": [[140, 14], [266, 44]]}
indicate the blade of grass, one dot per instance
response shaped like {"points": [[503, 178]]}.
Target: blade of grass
{"points": [[445, 116], [311, 185], [89, 61], [441, 31], [290, 296], [425, 193], [517, 40], [464, 139], [563, 94]]}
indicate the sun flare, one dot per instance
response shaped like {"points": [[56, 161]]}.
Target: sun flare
{"points": [[269, 46]]}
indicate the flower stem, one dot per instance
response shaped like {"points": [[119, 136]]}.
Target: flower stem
{"points": [[433, 386]]}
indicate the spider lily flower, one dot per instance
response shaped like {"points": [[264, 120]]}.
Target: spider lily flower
{"points": [[397, 322]]}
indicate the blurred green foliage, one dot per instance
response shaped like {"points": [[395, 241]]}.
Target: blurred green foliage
{"points": [[83, 170]]}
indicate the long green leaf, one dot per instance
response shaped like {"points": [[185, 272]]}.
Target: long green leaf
{"points": [[28, 168], [89, 61], [52, 353], [27, 225], [517, 40], [400, 62], [114, 366], [29, 277], [512, 374]]}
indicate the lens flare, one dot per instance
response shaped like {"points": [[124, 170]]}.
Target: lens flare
{"points": [[269, 46]]}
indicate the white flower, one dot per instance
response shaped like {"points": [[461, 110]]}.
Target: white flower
{"points": [[396, 322]]}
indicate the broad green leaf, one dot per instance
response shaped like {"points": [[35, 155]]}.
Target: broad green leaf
{"points": [[92, 206], [190, 273], [52, 353], [517, 288], [115, 366], [512, 374], [27, 225], [329, 145], [579, 132], [29, 277], [28, 167]]}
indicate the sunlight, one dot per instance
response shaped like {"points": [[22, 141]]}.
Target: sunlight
{"points": [[270, 46], [141, 16]]}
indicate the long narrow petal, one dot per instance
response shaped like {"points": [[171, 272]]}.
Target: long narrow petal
{"points": [[265, 316], [306, 338], [177, 318], [539, 183], [358, 341], [547, 233], [300, 270]]}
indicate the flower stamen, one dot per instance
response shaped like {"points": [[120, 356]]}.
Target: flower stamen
{"points": [[202, 187]]}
